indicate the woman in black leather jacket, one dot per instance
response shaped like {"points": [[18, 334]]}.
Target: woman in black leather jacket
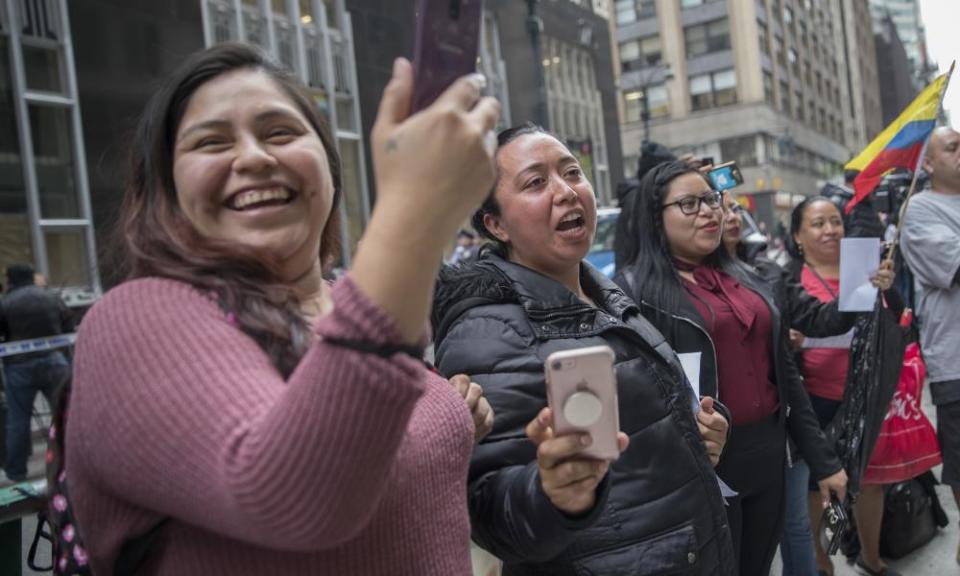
{"points": [[658, 508], [706, 303]]}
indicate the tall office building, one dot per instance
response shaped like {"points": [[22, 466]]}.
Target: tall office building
{"points": [[895, 71], [776, 85], [905, 15], [75, 75]]}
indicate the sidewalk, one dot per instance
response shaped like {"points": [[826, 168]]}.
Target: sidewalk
{"points": [[938, 557]]}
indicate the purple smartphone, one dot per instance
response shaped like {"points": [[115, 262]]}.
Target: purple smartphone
{"points": [[448, 34]]}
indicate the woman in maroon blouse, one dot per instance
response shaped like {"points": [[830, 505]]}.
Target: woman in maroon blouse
{"points": [[709, 305]]}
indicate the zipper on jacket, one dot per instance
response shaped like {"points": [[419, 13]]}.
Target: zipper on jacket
{"points": [[713, 348]]}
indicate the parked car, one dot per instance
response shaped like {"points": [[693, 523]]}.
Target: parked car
{"points": [[601, 253]]}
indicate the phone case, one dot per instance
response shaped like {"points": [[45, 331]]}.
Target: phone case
{"points": [[725, 176], [445, 48], [582, 392]]}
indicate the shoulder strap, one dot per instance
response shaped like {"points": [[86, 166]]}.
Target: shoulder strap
{"points": [[829, 288]]}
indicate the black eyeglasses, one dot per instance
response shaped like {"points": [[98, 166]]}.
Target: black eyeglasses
{"points": [[690, 205], [736, 209]]}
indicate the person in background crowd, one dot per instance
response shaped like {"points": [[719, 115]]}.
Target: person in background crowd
{"points": [[535, 501], [28, 311], [816, 227], [706, 303], [467, 247], [259, 419], [931, 247]]}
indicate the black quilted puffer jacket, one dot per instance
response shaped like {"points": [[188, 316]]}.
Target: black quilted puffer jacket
{"points": [[659, 511]]}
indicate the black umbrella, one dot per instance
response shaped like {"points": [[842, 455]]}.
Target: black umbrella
{"points": [[876, 360]]}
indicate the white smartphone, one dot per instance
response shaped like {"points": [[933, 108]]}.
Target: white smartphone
{"points": [[582, 392]]}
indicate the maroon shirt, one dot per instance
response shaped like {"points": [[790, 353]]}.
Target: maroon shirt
{"points": [[739, 323]]}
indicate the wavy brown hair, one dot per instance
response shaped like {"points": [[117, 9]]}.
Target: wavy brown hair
{"points": [[156, 238]]}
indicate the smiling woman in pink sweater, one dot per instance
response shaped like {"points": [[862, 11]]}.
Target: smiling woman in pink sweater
{"points": [[259, 419]]}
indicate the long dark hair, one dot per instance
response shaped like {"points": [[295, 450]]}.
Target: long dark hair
{"points": [[156, 238], [646, 250]]}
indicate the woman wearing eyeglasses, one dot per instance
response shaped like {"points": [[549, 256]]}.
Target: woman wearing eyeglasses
{"points": [[708, 304]]}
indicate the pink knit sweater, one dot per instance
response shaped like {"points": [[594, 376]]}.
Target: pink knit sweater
{"points": [[355, 465]]}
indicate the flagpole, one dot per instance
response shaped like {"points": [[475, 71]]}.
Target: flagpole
{"points": [[916, 169]]}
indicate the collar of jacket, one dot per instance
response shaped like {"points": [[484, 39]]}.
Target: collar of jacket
{"points": [[553, 310]]}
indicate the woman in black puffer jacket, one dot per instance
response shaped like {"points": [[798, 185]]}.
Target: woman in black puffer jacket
{"points": [[656, 510]]}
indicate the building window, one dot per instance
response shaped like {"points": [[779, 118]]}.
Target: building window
{"points": [[629, 11], [775, 9], [799, 101], [763, 38], [778, 49], [712, 90], [768, 87], [658, 102], [710, 37], [695, 3], [575, 109], [742, 150], [784, 97], [641, 53], [794, 61], [788, 15]]}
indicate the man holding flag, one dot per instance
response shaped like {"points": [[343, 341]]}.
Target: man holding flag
{"points": [[931, 246]]}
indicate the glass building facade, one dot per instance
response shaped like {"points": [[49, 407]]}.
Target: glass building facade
{"points": [[45, 213]]}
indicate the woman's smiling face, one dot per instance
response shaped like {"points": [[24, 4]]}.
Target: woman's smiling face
{"points": [[692, 237], [249, 168]]}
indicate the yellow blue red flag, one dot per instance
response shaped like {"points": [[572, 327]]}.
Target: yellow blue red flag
{"points": [[900, 144]]}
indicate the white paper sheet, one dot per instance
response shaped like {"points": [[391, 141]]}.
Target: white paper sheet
{"points": [[691, 367], [859, 259], [841, 341]]}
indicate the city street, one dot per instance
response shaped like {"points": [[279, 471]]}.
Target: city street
{"points": [[938, 558]]}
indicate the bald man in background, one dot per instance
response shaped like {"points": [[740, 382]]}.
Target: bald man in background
{"points": [[931, 245]]}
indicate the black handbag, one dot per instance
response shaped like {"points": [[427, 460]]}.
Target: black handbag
{"points": [[910, 516]]}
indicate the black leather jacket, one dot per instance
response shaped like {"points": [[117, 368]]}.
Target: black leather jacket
{"points": [[789, 306], [659, 511]]}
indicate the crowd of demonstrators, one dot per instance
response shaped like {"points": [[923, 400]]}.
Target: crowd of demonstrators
{"points": [[29, 310], [706, 303], [931, 246], [467, 248], [253, 417], [535, 501], [816, 229], [266, 421]]}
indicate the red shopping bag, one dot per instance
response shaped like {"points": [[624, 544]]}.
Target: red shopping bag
{"points": [[907, 446]]}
